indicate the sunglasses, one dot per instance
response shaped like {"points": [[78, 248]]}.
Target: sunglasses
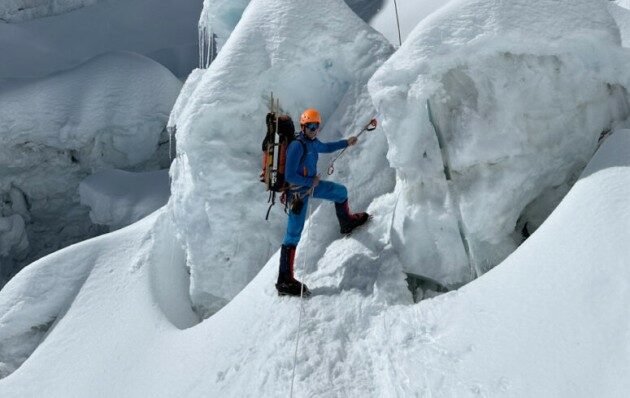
{"points": [[312, 126]]}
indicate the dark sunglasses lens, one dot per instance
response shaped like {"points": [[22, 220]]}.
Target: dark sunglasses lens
{"points": [[312, 126]]}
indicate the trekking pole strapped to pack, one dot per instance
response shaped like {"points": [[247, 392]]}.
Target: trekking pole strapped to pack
{"points": [[368, 127]]}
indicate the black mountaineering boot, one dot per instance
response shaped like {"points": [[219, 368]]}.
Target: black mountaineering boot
{"points": [[287, 284], [347, 220]]}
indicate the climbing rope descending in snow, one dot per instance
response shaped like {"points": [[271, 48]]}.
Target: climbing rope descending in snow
{"points": [[299, 329], [397, 23]]}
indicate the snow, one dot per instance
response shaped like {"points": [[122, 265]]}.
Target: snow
{"points": [[219, 118], [163, 30], [621, 13], [512, 129], [410, 13], [118, 198], [23, 10], [519, 94], [107, 113], [530, 327]]}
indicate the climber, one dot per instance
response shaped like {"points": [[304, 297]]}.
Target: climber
{"points": [[301, 173]]}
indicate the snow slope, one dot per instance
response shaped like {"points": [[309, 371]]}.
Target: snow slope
{"points": [[118, 198], [218, 202], [508, 129], [545, 322], [163, 30], [107, 113]]}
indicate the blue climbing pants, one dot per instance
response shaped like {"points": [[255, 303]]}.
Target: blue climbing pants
{"points": [[324, 190]]}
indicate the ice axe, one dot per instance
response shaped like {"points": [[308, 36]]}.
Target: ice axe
{"points": [[368, 127]]}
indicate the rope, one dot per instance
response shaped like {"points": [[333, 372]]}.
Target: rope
{"points": [[398, 23], [299, 329], [368, 127]]}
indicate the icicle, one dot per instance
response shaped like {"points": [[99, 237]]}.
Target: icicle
{"points": [[208, 46], [199, 49], [172, 130]]}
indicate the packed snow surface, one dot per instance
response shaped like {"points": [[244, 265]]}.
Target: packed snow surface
{"points": [[218, 203], [530, 327], [107, 113], [164, 30], [487, 127], [118, 198]]}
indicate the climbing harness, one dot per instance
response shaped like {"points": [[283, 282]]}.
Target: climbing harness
{"points": [[299, 329], [368, 127]]}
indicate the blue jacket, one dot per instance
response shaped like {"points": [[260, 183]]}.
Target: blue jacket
{"points": [[300, 170]]}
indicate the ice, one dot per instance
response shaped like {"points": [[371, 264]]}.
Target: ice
{"points": [[114, 314], [163, 30], [511, 132], [220, 116], [217, 21], [13, 239], [118, 198], [107, 113]]}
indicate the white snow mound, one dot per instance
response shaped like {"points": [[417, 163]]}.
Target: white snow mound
{"points": [[163, 30], [107, 113], [512, 127], [118, 198]]}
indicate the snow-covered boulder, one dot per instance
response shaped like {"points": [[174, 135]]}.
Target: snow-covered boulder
{"points": [[310, 55], [518, 93], [118, 198], [107, 113]]}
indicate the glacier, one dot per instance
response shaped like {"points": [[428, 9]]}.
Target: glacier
{"points": [[486, 127], [491, 114], [219, 133]]}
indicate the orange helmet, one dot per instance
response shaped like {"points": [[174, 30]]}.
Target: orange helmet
{"points": [[310, 116]]}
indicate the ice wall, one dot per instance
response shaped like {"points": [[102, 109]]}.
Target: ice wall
{"points": [[107, 113], [520, 92], [310, 55]]}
